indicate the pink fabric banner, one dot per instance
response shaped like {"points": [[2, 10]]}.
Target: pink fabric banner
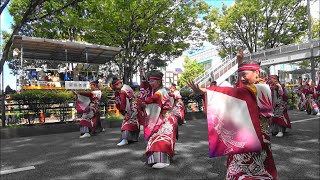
{"points": [[233, 121]]}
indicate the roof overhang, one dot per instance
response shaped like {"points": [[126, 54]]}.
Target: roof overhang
{"points": [[34, 48]]}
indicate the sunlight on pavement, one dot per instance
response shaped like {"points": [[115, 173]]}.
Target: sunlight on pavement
{"points": [[22, 140], [99, 154], [311, 175], [316, 141], [300, 161], [283, 168]]}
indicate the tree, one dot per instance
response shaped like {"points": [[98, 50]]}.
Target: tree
{"points": [[151, 32], [257, 24], [191, 71], [8, 90], [32, 11], [4, 5], [315, 28]]}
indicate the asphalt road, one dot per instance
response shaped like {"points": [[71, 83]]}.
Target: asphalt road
{"points": [[65, 156]]}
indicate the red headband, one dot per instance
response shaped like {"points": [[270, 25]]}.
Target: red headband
{"points": [[115, 83], [94, 83], [273, 77], [250, 67], [155, 77]]}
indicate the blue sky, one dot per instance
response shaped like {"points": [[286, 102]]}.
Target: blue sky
{"points": [[6, 20]]}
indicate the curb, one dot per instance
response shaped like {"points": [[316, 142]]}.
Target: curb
{"points": [[42, 129], [66, 127], [194, 115], [50, 128]]}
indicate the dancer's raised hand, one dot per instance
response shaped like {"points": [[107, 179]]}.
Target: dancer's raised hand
{"points": [[195, 87]]}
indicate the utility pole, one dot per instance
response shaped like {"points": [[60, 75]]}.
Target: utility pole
{"points": [[3, 108], [313, 73]]}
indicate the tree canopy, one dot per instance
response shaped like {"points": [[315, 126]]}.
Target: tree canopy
{"points": [[257, 24], [191, 71], [151, 32], [27, 13]]}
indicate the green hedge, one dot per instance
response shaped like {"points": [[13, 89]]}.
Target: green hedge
{"points": [[49, 96], [114, 117], [44, 96], [292, 100]]}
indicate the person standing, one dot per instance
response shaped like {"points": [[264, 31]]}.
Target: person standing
{"points": [[159, 125], [88, 104], [177, 106], [238, 125], [213, 83], [280, 121], [318, 94], [125, 98]]}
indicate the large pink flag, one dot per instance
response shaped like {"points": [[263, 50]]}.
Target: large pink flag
{"points": [[233, 121]]}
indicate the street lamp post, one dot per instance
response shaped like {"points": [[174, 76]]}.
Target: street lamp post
{"points": [[310, 38]]}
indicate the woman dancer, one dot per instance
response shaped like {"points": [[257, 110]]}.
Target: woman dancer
{"points": [[280, 121], [87, 103], [178, 106], [124, 96], [159, 125], [229, 134]]}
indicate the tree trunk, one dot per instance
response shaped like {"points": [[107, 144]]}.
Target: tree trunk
{"points": [[5, 3], [127, 75], [7, 47], [16, 30]]}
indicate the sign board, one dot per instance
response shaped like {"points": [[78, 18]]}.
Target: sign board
{"points": [[77, 84], [42, 83]]}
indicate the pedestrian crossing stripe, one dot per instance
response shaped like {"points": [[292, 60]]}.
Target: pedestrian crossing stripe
{"points": [[16, 170], [303, 120]]}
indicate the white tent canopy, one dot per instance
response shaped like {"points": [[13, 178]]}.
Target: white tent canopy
{"points": [[62, 50]]}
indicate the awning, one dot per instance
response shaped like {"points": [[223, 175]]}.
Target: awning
{"points": [[34, 48]]}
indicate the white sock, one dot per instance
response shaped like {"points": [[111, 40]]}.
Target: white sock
{"points": [[160, 165]]}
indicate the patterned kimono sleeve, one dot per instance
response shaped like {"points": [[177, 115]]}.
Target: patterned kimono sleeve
{"points": [[155, 98], [280, 90], [144, 90], [166, 104], [177, 95], [262, 93], [123, 97]]}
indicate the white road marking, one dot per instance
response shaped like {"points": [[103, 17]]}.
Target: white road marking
{"points": [[16, 170], [305, 120]]}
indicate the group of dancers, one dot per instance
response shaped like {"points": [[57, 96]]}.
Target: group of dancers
{"points": [[158, 111], [309, 97], [245, 139]]}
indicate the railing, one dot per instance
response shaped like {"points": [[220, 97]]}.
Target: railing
{"points": [[29, 113], [283, 49], [26, 113], [227, 63], [214, 71], [224, 68], [207, 74]]}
